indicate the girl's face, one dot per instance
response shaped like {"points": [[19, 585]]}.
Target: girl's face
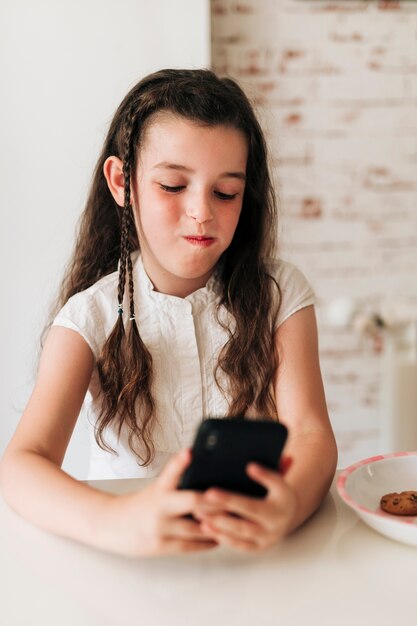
{"points": [[188, 190]]}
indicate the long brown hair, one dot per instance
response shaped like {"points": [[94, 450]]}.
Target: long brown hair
{"points": [[107, 235]]}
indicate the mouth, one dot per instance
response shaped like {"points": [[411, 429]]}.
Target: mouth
{"points": [[198, 240]]}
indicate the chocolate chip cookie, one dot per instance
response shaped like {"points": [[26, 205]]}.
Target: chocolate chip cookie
{"points": [[404, 503]]}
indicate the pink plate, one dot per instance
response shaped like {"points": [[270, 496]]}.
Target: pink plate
{"points": [[363, 484]]}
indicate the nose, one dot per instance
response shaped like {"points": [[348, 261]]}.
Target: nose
{"points": [[199, 208]]}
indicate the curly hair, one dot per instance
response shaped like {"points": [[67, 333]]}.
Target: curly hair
{"points": [[107, 236]]}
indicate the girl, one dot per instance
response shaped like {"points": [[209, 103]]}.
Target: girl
{"points": [[173, 310]]}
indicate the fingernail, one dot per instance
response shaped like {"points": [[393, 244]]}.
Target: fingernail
{"points": [[212, 494], [207, 528], [285, 464]]}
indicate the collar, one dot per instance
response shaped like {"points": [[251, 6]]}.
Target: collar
{"points": [[194, 302]]}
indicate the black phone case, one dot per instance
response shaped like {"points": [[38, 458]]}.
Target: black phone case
{"points": [[223, 448]]}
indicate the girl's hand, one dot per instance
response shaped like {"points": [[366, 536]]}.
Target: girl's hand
{"points": [[152, 521], [250, 524]]}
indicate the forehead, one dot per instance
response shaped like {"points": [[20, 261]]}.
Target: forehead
{"points": [[168, 135]]}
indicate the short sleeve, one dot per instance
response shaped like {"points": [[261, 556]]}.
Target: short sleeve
{"points": [[80, 314], [296, 291]]}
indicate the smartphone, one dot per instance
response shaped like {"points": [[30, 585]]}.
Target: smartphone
{"points": [[223, 448]]}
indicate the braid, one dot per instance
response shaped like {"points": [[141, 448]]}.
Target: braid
{"points": [[126, 218], [125, 365], [130, 275]]}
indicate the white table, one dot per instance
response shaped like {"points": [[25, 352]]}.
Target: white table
{"points": [[333, 571]]}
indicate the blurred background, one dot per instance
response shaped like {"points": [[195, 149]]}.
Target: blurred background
{"points": [[335, 86]]}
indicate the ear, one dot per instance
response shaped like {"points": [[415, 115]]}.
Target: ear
{"points": [[113, 173]]}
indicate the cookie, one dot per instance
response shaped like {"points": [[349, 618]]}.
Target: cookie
{"points": [[404, 503]]}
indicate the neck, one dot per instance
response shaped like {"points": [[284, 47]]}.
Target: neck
{"points": [[172, 285]]}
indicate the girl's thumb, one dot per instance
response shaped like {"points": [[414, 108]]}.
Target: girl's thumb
{"points": [[173, 470]]}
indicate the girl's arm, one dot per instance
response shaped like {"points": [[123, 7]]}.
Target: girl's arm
{"points": [[31, 479], [302, 407], [35, 487], [311, 445]]}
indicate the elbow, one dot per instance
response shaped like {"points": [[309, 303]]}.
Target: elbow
{"points": [[336, 454], [13, 474], [5, 474], [8, 470], [331, 455]]}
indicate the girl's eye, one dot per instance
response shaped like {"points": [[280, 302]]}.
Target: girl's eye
{"points": [[178, 188], [172, 189], [225, 196]]}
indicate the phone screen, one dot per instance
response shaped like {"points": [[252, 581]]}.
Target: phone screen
{"points": [[223, 448]]}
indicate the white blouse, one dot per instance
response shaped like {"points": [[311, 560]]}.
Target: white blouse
{"points": [[184, 339]]}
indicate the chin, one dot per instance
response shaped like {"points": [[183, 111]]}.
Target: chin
{"points": [[196, 270]]}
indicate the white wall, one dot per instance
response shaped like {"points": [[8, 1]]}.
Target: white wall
{"points": [[65, 66], [337, 84]]}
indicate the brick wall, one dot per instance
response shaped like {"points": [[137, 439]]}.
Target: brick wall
{"points": [[335, 84]]}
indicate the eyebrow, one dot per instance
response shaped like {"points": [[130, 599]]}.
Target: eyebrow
{"points": [[184, 168]]}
